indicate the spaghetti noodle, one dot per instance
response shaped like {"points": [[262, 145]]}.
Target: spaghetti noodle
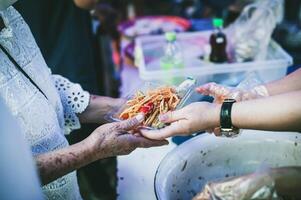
{"points": [[152, 103]]}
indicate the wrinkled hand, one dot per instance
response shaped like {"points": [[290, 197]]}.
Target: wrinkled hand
{"points": [[188, 120], [114, 139], [220, 92]]}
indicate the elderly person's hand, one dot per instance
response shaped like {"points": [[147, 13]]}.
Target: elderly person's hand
{"points": [[114, 139], [106, 141], [190, 119]]}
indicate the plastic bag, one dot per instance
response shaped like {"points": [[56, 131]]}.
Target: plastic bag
{"points": [[266, 183], [259, 185], [250, 34], [250, 88]]}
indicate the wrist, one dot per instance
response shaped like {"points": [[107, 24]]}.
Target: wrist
{"points": [[88, 149], [98, 107], [96, 147], [107, 104], [215, 113]]}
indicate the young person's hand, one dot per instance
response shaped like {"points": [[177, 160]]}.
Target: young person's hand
{"points": [[195, 117], [220, 93]]}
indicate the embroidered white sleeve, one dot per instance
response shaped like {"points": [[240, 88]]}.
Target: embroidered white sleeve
{"points": [[74, 99]]}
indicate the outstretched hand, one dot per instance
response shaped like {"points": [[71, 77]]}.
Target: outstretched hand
{"points": [[188, 120], [115, 138]]}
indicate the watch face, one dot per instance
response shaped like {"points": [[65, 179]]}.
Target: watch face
{"points": [[230, 132]]}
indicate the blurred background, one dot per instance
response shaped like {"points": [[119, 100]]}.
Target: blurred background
{"points": [[93, 44]]}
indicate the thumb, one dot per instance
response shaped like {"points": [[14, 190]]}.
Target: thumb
{"points": [[171, 116], [132, 123]]}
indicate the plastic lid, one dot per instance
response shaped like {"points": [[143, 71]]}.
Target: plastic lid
{"points": [[217, 22], [170, 36]]}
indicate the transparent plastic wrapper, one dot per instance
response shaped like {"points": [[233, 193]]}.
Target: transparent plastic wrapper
{"points": [[152, 104], [266, 183], [250, 88], [258, 185], [250, 34]]}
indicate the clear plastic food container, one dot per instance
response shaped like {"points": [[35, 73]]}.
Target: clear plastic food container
{"points": [[184, 91], [149, 50]]}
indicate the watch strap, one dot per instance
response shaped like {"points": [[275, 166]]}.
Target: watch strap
{"points": [[225, 114]]}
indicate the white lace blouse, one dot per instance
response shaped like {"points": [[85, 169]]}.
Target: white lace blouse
{"points": [[44, 120]]}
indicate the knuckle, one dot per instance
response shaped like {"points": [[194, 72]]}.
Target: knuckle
{"points": [[117, 126]]}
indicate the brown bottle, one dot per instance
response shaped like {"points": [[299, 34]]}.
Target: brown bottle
{"points": [[218, 42]]}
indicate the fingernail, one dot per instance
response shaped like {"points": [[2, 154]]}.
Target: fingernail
{"points": [[140, 117], [163, 117]]}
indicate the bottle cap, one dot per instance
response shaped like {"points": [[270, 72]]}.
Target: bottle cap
{"points": [[170, 36], [218, 23]]}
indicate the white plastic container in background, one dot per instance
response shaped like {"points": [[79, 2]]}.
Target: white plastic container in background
{"points": [[149, 50]]}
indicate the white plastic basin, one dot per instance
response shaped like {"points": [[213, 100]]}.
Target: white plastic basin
{"points": [[185, 170]]}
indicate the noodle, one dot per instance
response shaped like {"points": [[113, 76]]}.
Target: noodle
{"points": [[152, 103]]}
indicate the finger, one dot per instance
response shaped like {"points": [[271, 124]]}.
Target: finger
{"points": [[217, 132], [173, 129], [171, 116], [142, 142], [130, 124]]}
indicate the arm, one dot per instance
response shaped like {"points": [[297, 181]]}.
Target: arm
{"points": [[290, 83], [98, 108], [57, 163], [106, 141], [276, 113], [80, 106]]}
